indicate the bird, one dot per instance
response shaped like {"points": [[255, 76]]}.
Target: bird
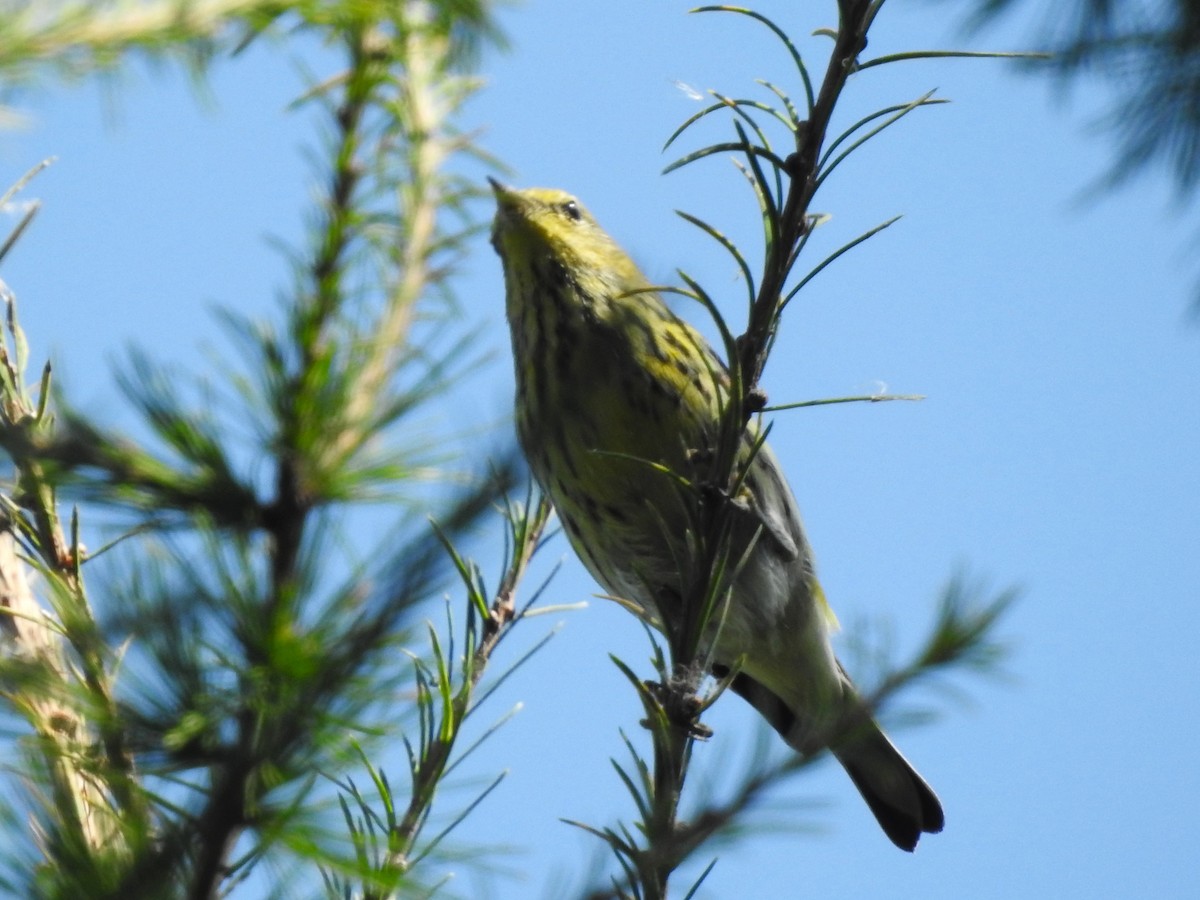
{"points": [[618, 404]]}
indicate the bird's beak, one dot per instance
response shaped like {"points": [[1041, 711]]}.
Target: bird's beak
{"points": [[511, 205], [499, 189]]}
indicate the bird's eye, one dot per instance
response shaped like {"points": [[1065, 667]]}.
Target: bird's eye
{"points": [[571, 211]]}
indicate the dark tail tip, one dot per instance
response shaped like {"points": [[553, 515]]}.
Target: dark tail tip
{"points": [[903, 804], [903, 824]]}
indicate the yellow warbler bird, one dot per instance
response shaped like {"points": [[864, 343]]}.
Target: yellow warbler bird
{"points": [[617, 399]]}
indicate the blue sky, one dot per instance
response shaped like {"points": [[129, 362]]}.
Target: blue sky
{"points": [[1045, 322]]}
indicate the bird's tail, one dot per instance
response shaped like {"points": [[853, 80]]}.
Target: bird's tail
{"points": [[903, 804]]}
